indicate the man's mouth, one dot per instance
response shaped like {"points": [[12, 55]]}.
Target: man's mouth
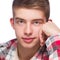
{"points": [[28, 40]]}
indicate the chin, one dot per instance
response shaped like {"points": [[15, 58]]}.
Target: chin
{"points": [[28, 46]]}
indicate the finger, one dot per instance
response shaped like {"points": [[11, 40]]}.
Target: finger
{"points": [[41, 39]]}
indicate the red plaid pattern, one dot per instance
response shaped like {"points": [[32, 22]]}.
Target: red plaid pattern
{"points": [[50, 51]]}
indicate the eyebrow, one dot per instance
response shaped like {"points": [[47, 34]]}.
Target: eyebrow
{"points": [[38, 19], [17, 18]]}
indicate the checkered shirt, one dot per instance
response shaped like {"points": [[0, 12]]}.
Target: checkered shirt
{"points": [[50, 51]]}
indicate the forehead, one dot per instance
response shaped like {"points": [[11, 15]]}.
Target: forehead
{"points": [[28, 13]]}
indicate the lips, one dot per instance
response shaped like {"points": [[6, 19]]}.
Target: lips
{"points": [[28, 40]]}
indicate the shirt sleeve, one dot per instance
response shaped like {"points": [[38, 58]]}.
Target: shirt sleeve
{"points": [[53, 47]]}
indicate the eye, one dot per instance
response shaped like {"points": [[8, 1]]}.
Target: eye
{"points": [[19, 21], [36, 22]]}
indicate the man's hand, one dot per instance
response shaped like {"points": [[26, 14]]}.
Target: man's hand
{"points": [[48, 29]]}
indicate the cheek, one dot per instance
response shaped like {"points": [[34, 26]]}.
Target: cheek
{"points": [[37, 30], [19, 30]]}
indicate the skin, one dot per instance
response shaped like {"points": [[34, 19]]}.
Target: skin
{"points": [[31, 23], [49, 29]]}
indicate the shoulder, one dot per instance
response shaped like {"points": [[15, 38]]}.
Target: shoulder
{"points": [[5, 47]]}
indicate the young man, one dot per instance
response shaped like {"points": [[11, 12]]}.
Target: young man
{"points": [[37, 37]]}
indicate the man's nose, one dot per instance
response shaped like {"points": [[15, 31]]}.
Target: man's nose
{"points": [[28, 30]]}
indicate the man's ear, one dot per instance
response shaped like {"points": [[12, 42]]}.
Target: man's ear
{"points": [[50, 20], [12, 22]]}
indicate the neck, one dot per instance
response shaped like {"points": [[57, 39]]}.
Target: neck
{"points": [[27, 53]]}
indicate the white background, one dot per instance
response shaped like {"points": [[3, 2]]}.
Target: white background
{"points": [[6, 31]]}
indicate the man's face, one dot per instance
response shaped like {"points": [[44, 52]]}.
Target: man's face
{"points": [[27, 25]]}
